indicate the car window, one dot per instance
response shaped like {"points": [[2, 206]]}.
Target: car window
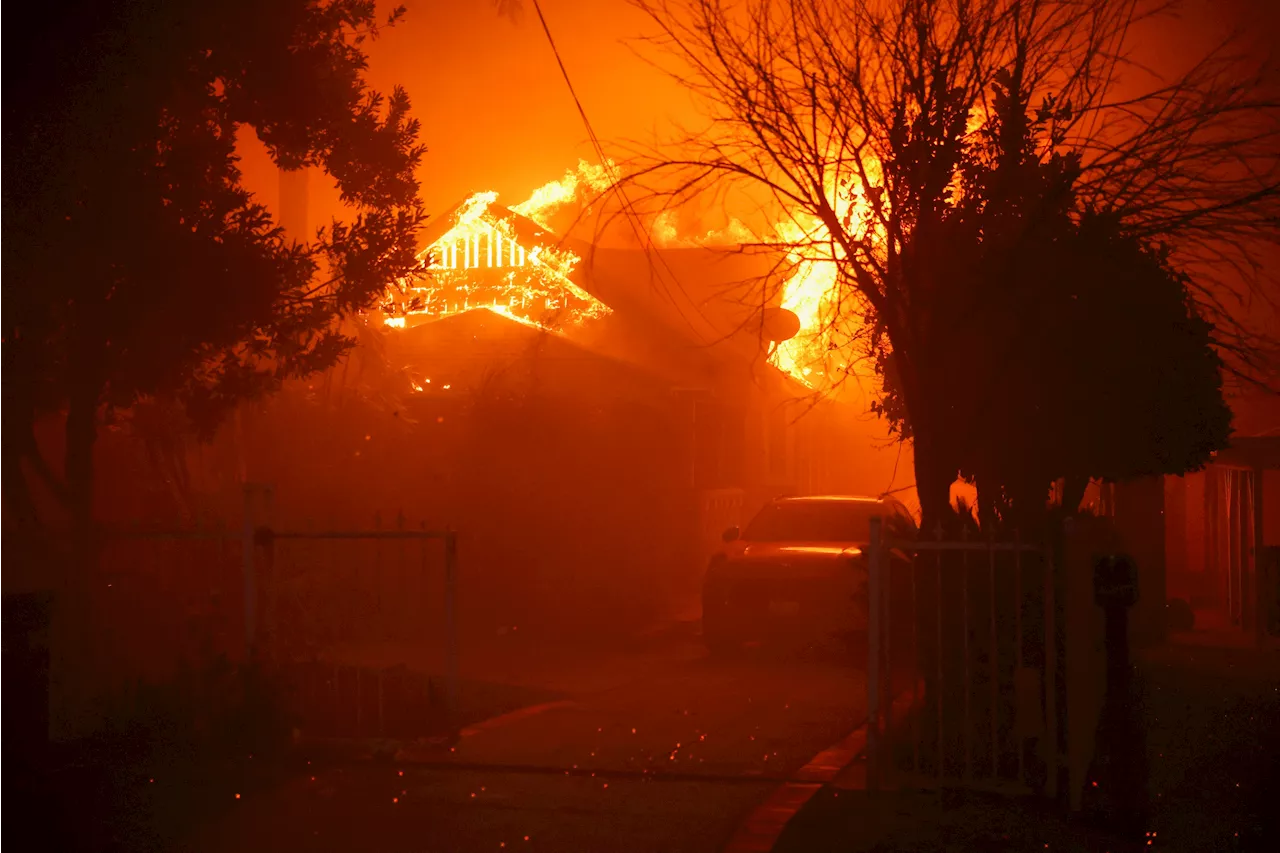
{"points": [[901, 524], [813, 521]]}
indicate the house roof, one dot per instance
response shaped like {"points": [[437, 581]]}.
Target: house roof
{"points": [[526, 230], [484, 337], [705, 304], [706, 294]]}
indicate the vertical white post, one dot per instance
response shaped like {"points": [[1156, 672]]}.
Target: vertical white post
{"points": [[265, 573], [873, 657], [451, 621], [1261, 589], [1018, 646], [1050, 674], [250, 580]]}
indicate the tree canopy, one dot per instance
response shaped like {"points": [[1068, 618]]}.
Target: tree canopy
{"points": [[1028, 235], [137, 263], [1073, 348]]}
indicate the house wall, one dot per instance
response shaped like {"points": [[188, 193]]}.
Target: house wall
{"points": [[1194, 536], [1271, 508], [1203, 540]]}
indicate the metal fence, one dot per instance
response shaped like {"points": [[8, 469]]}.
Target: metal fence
{"points": [[355, 629], [361, 625], [967, 628]]}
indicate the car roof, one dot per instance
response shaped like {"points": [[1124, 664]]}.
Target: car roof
{"points": [[836, 499]]}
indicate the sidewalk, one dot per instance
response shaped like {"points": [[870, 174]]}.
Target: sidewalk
{"points": [[1212, 718], [132, 797]]}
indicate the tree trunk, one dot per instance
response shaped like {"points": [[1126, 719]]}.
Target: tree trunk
{"points": [[933, 481], [1073, 493], [989, 499], [933, 474]]}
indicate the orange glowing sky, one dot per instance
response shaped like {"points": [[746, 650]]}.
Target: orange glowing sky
{"points": [[496, 113], [497, 116]]}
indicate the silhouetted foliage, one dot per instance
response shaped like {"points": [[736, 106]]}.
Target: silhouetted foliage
{"points": [[137, 263], [1085, 356], [868, 122]]}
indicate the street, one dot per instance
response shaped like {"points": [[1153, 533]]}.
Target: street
{"points": [[656, 747]]}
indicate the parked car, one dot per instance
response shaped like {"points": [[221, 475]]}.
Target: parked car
{"points": [[798, 572]]}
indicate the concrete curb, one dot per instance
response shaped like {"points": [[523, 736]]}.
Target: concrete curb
{"points": [[837, 764], [514, 716]]}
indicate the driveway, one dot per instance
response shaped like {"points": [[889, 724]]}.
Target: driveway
{"points": [[652, 747]]}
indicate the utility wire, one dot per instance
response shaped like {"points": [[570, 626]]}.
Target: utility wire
{"points": [[628, 209]]}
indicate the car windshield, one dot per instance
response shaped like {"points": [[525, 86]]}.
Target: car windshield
{"points": [[813, 521]]}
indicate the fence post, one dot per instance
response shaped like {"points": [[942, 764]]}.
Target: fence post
{"points": [[1050, 673], [248, 548], [451, 622], [873, 657]]}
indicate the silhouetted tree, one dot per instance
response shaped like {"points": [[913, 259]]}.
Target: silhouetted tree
{"points": [[859, 117], [137, 264], [1084, 354]]}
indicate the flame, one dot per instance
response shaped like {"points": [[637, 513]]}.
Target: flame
{"points": [[809, 290], [551, 196], [818, 355], [482, 263], [665, 232]]}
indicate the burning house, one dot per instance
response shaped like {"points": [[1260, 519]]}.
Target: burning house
{"points": [[589, 417], [592, 418]]}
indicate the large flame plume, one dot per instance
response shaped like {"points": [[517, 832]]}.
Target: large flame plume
{"points": [[486, 260], [823, 353]]}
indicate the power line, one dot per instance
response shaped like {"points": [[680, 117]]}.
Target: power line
{"points": [[628, 209]]}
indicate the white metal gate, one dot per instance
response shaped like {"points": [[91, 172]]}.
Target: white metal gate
{"points": [[971, 629]]}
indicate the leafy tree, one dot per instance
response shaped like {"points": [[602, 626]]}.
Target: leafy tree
{"points": [[137, 264], [859, 118], [1083, 353]]}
